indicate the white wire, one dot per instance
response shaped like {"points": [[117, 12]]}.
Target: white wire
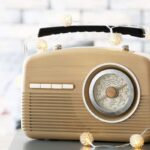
{"points": [[26, 43], [143, 28], [145, 130], [117, 146], [109, 146]]}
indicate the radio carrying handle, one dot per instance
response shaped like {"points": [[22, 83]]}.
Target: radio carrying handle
{"points": [[137, 32]]}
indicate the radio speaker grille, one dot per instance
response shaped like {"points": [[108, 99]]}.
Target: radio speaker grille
{"points": [[65, 112]]}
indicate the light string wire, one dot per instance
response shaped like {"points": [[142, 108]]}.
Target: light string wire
{"points": [[26, 44], [111, 28], [145, 130], [144, 28], [117, 146]]}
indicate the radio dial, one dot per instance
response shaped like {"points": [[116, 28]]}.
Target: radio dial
{"points": [[110, 93]]}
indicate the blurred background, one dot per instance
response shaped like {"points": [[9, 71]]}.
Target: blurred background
{"points": [[21, 19]]}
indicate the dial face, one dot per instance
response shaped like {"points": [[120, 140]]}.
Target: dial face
{"points": [[111, 92]]}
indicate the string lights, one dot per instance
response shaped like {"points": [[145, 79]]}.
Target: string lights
{"points": [[136, 141], [86, 139], [147, 33], [115, 38], [42, 45], [67, 20]]}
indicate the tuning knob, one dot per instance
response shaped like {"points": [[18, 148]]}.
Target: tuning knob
{"points": [[125, 48], [57, 47]]}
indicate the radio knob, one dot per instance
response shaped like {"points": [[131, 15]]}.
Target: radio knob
{"points": [[58, 47], [125, 48], [111, 92]]}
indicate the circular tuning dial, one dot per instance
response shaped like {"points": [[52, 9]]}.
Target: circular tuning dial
{"points": [[111, 93]]}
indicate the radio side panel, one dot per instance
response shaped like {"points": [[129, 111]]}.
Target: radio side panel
{"points": [[58, 113]]}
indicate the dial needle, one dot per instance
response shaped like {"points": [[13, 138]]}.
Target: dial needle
{"points": [[122, 87]]}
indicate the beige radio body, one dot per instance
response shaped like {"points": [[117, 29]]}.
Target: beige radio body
{"points": [[56, 102]]}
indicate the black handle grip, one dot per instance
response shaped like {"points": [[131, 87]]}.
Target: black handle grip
{"points": [[137, 32]]}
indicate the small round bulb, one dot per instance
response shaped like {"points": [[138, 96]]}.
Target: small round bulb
{"points": [[115, 38], [42, 45], [147, 33], [85, 148], [67, 20], [86, 139], [136, 141]]}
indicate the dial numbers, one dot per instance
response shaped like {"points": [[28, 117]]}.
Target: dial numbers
{"points": [[111, 92]]}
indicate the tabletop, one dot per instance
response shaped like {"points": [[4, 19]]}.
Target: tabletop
{"points": [[22, 142]]}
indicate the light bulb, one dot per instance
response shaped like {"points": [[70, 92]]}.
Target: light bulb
{"points": [[67, 20], [147, 33], [136, 141], [85, 148], [86, 139], [42, 45], [115, 38]]}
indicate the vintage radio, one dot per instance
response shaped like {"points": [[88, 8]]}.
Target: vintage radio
{"points": [[74, 90]]}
